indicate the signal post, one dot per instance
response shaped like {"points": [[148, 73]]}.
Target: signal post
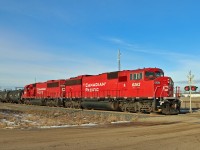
{"points": [[190, 88]]}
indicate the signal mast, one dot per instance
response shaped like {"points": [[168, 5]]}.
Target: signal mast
{"points": [[190, 88], [190, 81]]}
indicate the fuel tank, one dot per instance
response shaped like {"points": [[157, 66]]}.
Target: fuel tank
{"points": [[101, 105]]}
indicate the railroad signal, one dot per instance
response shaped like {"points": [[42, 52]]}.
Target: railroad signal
{"points": [[190, 81], [186, 88], [194, 88]]}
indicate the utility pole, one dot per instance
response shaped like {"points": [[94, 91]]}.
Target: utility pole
{"points": [[190, 81], [119, 63]]}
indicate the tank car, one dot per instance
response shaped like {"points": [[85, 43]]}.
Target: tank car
{"points": [[4, 96], [14, 96]]}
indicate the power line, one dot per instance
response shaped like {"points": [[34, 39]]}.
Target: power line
{"points": [[186, 82]]}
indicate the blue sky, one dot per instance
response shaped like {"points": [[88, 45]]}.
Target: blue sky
{"points": [[58, 39]]}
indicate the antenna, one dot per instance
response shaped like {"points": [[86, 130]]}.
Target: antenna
{"points": [[119, 63]]}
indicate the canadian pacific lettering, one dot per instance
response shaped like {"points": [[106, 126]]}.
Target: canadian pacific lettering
{"points": [[93, 87], [87, 85]]}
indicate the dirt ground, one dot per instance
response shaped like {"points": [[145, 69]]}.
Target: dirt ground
{"points": [[176, 132]]}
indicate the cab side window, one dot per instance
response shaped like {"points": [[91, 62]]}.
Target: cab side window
{"points": [[136, 76]]}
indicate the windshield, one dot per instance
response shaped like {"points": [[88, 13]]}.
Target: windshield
{"points": [[171, 82], [159, 74], [152, 75], [149, 75]]}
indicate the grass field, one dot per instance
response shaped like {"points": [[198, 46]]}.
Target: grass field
{"points": [[23, 116]]}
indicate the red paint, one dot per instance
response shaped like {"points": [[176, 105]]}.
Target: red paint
{"points": [[142, 83]]}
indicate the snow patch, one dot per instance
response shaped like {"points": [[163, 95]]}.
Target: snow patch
{"points": [[116, 122], [68, 126]]}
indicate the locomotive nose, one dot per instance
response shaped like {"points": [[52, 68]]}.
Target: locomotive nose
{"points": [[165, 86], [168, 86], [171, 87]]}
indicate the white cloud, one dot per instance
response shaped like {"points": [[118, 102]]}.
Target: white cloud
{"points": [[38, 10], [175, 64], [138, 48], [119, 41], [22, 60]]}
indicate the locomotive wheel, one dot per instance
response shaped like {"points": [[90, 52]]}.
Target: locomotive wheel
{"points": [[72, 104], [77, 104], [27, 102], [123, 107], [59, 103], [43, 102], [52, 103], [68, 104]]}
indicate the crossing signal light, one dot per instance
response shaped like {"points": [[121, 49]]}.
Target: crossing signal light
{"points": [[186, 88], [193, 88]]}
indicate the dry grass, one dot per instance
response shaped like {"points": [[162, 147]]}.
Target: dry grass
{"points": [[31, 118]]}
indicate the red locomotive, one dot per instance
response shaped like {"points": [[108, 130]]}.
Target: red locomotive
{"points": [[141, 90]]}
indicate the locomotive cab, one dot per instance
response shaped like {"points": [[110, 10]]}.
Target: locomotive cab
{"points": [[163, 86], [29, 91], [153, 74], [164, 100]]}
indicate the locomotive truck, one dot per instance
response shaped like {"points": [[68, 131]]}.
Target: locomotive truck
{"points": [[140, 90]]}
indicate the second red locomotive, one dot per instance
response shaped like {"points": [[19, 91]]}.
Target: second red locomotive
{"points": [[141, 90]]}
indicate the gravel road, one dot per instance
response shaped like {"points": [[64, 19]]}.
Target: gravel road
{"points": [[146, 131]]}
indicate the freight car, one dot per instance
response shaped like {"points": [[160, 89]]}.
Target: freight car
{"points": [[141, 90], [12, 96], [4, 96]]}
